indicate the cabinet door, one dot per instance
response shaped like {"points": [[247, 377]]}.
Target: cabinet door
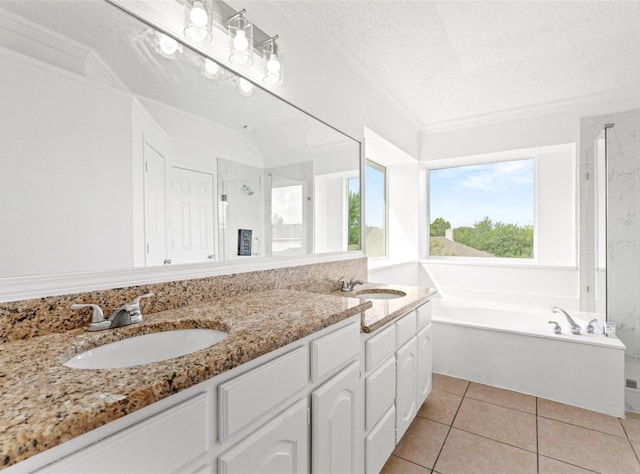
{"points": [[279, 447], [424, 364], [406, 386], [337, 423]]}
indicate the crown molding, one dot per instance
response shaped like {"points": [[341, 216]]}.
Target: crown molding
{"points": [[89, 58], [535, 110]]}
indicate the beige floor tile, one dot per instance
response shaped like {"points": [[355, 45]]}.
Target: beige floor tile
{"points": [[636, 447], [499, 423], [632, 416], [580, 416], [440, 407], [449, 384], [468, 453], [553, 466], [395, 465], [632, 427], [502, 397], [585, 448], [422, 442]]}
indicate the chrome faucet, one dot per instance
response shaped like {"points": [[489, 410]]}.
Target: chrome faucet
{"points": [[349, 285], [126, 314], [575, 328], [591, 327]]}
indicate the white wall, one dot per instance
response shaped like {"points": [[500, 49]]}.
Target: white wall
{"points": [[35, 145]]}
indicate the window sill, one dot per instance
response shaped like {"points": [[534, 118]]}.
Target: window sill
{"points": [[495, 262]]}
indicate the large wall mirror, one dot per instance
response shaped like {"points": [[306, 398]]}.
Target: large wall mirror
{"points": [[122, 149]]}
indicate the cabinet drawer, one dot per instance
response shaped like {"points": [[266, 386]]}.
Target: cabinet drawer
{"points": [[166, 442], [380, 443], [253, 394], [333, 350], [380, 389], [405, 328], [379, 347], [424, 314]]}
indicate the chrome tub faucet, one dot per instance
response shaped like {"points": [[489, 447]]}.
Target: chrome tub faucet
{"points": [[575, 328]]}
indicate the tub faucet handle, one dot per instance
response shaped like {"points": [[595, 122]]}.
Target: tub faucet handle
{"points": [[590, 326], [556, 329]]}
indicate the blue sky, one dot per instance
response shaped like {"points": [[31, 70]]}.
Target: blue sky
{"points": [[504, 191], [374, 197]]}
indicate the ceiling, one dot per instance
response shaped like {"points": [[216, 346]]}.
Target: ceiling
{"points": [[450, 60]]}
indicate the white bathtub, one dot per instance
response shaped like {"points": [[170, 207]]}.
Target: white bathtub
{"points": [[518, 350]]}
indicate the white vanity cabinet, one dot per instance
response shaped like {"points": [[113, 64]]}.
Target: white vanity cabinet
{"points": [[397, 381], [337, 423], [279, 447], [170, 441], [297, 409]]}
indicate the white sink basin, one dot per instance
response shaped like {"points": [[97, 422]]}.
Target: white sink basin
{"points": [[381, 294], [146, 349]]}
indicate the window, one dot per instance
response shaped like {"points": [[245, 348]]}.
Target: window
{"points": [[484, 210], [375, 209], [353, 213]]}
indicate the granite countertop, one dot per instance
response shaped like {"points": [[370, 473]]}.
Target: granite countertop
{"points": [[383, 311], [45, 403]]}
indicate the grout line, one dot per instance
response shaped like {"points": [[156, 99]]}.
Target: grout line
{"points": [[497, 441], [501, 406], [450, 426], [537, 441], [584, 427], [629, 440], [410, 461], [571, 464]]}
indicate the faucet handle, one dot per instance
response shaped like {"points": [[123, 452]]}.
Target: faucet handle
{"points": [[137, 300], [590, 326], [98, 322], [134, 308], [556, 329]]}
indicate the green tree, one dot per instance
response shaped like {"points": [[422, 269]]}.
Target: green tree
{"points": [[499, 239], [354, 221], [438, 227]]}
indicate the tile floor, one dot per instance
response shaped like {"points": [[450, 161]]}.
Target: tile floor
{"points": [[470, 428]]}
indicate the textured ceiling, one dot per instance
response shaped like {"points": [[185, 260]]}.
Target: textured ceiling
{"points": [[449, 60]]}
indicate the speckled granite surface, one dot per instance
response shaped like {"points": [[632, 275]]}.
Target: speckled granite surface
{"points": [[45, 403], [36, 317], [383, 311]]}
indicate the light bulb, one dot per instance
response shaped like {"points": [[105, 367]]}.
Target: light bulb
{"points": [[245, 86], [211, 67], [240, 42], [197, 33], [198, 14], [167, 45], [273, 65]]}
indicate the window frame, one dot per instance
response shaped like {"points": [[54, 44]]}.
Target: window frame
{"points": [[383, 169], [534, 153]]}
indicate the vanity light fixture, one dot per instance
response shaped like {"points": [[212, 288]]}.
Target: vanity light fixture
{"points": [[273, 65], [240, 39], [246, 88], [197, 20], [211, 69], [166, 46]]}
